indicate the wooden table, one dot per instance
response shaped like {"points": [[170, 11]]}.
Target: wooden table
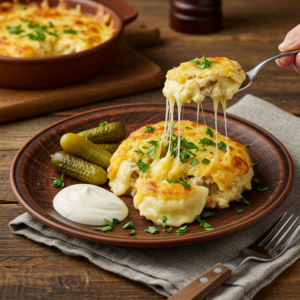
{"points": [[252, 32]]}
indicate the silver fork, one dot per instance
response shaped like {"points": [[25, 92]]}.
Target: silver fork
{"points": [[266, 248]]}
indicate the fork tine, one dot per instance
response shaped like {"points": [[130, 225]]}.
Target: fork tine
{"points": [[270, 231], [278, 232], [288, 242], [283, 236]]}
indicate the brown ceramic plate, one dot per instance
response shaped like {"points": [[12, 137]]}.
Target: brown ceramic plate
{"points": [[60, 70], [32, 165]]}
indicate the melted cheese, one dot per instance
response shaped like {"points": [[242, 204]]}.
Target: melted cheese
{"points": [[37, 30], [180, 205]]}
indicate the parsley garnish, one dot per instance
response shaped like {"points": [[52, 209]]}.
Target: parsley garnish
{"points": [[205, 161], [209, 132], [107, 228], [15, 29], [207, 142], [198, 218], [142, 166], [195, 61], [130, 147], [171, 180], [209, 228], [39, 35], [206, 214], [262, 189], [24, 20], [184, 143], [132, 232], [239, 211], [148, 129], [151, 229], [58, 182], [256, 181], [128, 225], [169, 230], [185, 184], [70, 31], [87, 136], [184, 156], [255, 162], [211, 153], [113, 222], [51, 25], [187, 127], [90, 38], [202, 222], [38, 183], [103, 123], [203, 63], [139, 151], [33, 24], [245, 201], [246, 146], [152, 149], [144, 147], [182, 230], [194, 162], [164, 220], [202, 147], [222, 146]]}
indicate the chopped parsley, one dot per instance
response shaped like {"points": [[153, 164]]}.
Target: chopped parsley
{"points": [[222, 146], [187, 127], [142, 166], [51, 25], [152, 149], [184, 156], [188, 145], [203, 63], [256, 181], [202, 147], [90, 38], [206, 214], [148, 129], [182, 230], [262, 189], [239, 211], [194, 162], [246, 146], [130, 147], [245, 201], [15, 29], [128, 225], [144, 147], [139, 151], [171, 180], [132, 232], [211, 153], [58, 182], [207, 142], [115, 221], [209, 229], [38, 183], [107, 228], [209, 132], [33, 24], [24, 20], [151, 229], [205, 161], [169, 230], [87, 136], [103, 123], [202, 222], [185, 184], [255, 162], [70, 31], [193, 154], [164, 220], [39, 35], [198, 218]]}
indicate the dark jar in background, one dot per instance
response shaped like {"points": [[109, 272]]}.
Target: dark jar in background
{"points": [[196, 16]]}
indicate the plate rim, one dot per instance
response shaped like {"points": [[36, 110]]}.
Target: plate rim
{"points": [[138, 243]]}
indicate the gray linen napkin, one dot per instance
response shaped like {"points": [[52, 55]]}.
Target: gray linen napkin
{"points": [[170, 269]]}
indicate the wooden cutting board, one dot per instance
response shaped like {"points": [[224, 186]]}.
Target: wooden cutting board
{"points": [[130, 73]]}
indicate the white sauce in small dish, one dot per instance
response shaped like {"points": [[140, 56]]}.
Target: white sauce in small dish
{"points": [[89, 204]]}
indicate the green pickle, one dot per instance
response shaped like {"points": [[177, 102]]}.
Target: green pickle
{"points": [[77, 168], [112, 148], [109, 133], [85, 149]]}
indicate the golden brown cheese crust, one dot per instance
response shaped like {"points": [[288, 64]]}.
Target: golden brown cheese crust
{"points": [[37, 30], [233, 172], [220, 81]]}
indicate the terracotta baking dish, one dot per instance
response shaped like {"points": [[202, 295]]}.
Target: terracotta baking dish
{"points": [[55, 71]]}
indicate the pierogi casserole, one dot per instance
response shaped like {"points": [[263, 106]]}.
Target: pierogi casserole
{"points": [[38, 30], [174, 169]]}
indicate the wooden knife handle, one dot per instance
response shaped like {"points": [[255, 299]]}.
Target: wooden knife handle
{"points": [[205, 284]]}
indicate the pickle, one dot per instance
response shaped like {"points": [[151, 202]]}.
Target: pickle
{"points": [[112, 148], [77, 168], [85, 149], [106, 134]]}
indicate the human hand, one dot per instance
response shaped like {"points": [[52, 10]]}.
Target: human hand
{"points": [[291, 42]]}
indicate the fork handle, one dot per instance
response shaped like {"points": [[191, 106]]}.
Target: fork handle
{"points": [[205, 284]]}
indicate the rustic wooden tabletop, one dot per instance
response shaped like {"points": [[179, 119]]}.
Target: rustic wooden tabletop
{"points": [[252, 31]]}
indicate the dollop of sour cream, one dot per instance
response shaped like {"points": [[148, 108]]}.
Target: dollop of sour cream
{"points": [[89, 204]]}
